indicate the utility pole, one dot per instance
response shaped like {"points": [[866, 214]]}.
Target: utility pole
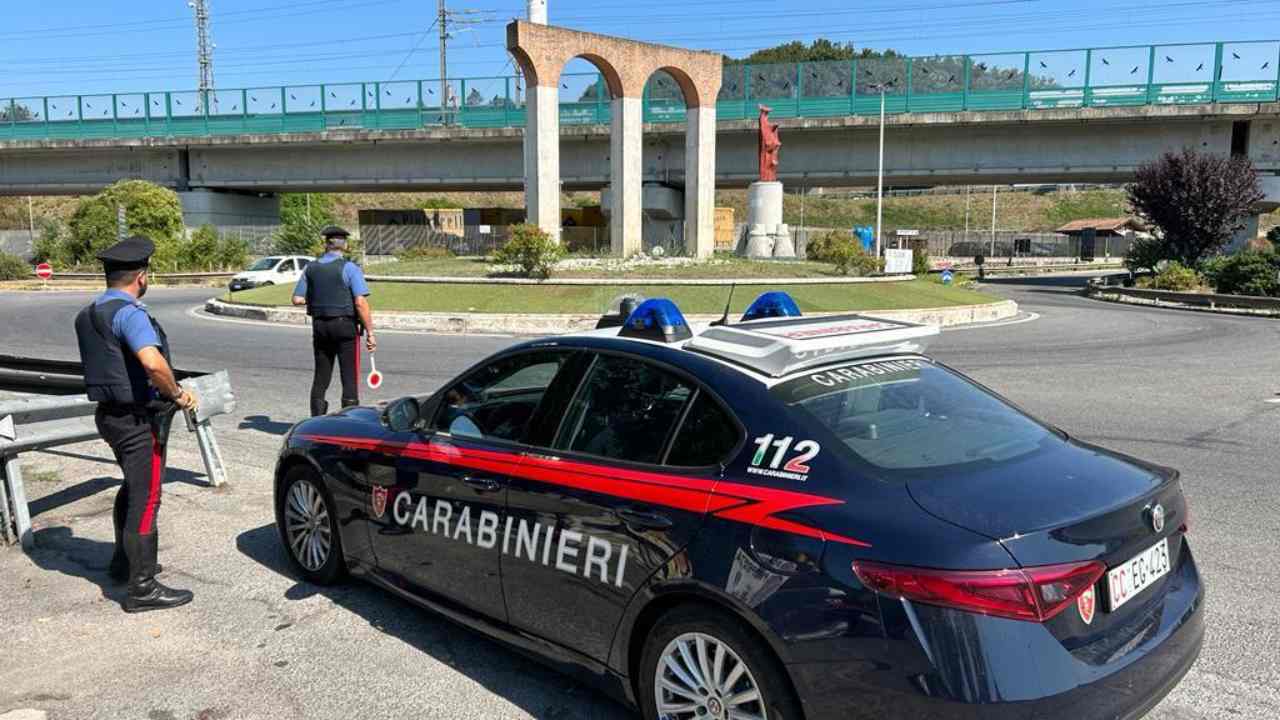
{"points": [[967, 189], [994, 188], [442, 22], [445, 16], [880, 174], [204, 46]]}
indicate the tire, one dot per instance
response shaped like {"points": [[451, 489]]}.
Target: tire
{"points": [[267, 284], [693, 625], [308, 526]]}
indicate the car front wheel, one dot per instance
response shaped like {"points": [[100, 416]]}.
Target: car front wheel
{"points": [[309, 527], [698, 664]]}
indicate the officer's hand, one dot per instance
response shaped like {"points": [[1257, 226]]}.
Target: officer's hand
{"points": [[188, 400], [370, 342]]}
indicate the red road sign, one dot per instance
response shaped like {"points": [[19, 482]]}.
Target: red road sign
{"points": [[44, 271]]}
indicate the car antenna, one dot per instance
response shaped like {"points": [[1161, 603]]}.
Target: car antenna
{"points": [[724, 319]]}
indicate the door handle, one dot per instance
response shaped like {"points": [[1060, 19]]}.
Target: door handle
{"points": [[481, 484], [637, 520]]}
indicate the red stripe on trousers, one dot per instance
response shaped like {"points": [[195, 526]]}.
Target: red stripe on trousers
{"points": [[148, 524], [359, 335]]}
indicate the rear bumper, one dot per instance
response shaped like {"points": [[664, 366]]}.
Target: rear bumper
{"points": [[972, 667]]}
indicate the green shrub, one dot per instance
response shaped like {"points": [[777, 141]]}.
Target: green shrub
{"points": [[849, 258], [1245, 273], [823, 247], [531, 249], [1176, 276], [53, 245], [920, 263], [13, 267], [200, 251], [232, 253], [150, 210], [1145, 254], [423, 252]]}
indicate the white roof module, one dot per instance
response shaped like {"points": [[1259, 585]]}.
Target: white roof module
{"points": [[780, 347]]}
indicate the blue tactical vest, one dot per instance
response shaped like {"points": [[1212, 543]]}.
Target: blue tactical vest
{"points": [[327, 295], [112, 372]]}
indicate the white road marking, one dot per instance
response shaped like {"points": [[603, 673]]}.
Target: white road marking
{"points": [[197, 313]]}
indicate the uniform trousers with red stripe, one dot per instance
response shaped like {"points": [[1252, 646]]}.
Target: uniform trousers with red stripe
{"points": [[335, 338], [139, 437]]}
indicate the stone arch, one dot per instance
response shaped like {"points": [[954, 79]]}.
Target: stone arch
{"points": [[543, 51]]}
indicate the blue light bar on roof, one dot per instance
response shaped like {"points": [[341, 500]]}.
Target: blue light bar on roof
{"points": [[657, 319], [772, 305]]}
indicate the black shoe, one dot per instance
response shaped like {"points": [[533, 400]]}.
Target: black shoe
{"points": [[152, 595]]}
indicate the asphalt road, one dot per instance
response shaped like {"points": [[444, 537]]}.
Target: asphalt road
{"points": [[1200, 392]]}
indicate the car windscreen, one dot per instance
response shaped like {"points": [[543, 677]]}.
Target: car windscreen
{"points": [[264, 264], [910, 414]]}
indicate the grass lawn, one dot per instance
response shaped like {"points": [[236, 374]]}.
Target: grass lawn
{"points": [[728, 267], [494, 298]]}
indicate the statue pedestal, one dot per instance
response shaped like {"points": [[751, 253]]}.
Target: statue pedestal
{"points": [[767, 235]]}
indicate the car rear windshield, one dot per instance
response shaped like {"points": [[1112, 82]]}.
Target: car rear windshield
{"points": [[910, 414]]}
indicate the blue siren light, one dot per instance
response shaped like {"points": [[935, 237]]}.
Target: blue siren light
{"points": [[657, 319], [773, 304]]}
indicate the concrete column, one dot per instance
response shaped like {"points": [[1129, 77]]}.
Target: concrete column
{"points": [[542, 159], [700, 182], [226, 209], [626, 147]]}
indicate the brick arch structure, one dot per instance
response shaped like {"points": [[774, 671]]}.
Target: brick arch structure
{"points": [[542, 51]]}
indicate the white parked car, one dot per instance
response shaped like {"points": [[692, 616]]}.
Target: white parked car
{"points": [[274, 270]]}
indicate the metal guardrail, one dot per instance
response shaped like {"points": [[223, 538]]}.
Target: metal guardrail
{"points": [[40, 423], [1118, 76], [159, 277]]}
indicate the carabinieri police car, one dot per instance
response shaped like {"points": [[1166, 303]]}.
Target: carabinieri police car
{"points": [[781, 517]]}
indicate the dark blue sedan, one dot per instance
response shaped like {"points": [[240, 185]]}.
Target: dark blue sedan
{"points": [[781, 517]]}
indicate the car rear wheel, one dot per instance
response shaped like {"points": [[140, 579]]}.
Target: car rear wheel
{"points": [[309, 527], [698, 664]]}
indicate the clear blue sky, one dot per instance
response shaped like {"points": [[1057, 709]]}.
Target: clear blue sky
{"points": [[60, 47]]}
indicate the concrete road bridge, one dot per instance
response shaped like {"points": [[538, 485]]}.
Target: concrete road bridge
{"points": [[1031, 117]]}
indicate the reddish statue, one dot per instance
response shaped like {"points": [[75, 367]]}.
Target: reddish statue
{"points": [[769, 146]]}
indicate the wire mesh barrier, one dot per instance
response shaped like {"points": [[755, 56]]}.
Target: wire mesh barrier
{"points": [[963, 246], [1223, 72]]}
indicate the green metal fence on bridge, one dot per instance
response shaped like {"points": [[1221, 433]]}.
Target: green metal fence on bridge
{"points": [[1225, 72]]}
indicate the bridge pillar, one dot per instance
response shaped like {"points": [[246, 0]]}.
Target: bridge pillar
{"points": [[626, 148], [700, 181], [542, 158], [1269, 203]]}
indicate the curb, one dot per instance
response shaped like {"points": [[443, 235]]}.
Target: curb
{"points": [[555, 324], [631, 282], [1109, 295]]}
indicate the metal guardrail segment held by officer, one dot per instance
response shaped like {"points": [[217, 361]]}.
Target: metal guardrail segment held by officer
{"points": [[59, 421]]}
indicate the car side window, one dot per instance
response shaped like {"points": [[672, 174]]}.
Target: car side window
{"points": [[303, 263], [286, 266], [706, 436], [625, 410], [497, 400]]}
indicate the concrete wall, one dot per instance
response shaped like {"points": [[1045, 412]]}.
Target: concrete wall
{"points": [[212, 207], [1093, 145]]}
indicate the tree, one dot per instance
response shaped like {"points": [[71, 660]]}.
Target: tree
{"points": [[150, 210], [1196, 201], [302, 217], [18, 112], [819, 50]]}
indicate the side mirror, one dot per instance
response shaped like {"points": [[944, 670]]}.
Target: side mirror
{"points": [[402, 415]]}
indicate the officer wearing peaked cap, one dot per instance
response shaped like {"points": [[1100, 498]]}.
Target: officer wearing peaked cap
{"points": [[336, 295], [127, 371]]}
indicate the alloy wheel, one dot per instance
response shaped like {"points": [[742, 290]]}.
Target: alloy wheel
{"points": [[701, 678], [306, 519]]}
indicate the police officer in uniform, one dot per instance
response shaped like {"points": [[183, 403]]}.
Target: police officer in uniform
{"points": [[128, 372], [336, 295]]}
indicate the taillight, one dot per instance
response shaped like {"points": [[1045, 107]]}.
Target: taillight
{"points": [[1035, 594]]}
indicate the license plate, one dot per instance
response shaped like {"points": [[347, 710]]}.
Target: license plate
{"points": [[1125, 581]]}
